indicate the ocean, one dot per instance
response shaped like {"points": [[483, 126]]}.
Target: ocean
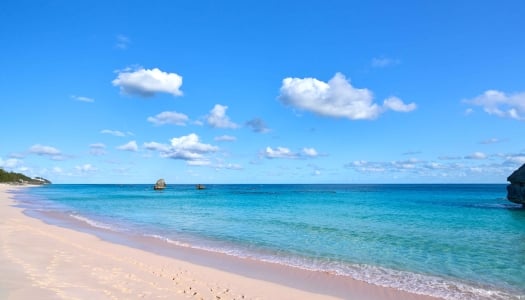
{"points": [[459, 241]]}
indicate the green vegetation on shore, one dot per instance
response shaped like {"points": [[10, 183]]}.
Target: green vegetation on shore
{"points": [[18, 178]]}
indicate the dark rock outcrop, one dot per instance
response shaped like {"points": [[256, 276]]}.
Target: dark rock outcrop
{"points": [[516, 188], [160, 184]]}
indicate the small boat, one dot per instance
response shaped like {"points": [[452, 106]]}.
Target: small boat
{"points": [[200, 187]]}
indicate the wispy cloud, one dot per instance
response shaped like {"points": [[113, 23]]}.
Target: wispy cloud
{"points": [[169, 117], [115, 132], [122, 42], [476, 155], [383, 62], [83, 99], [10, 163], [97, 149], [130, 146], [491, 141], [148, 82], [48, 151], [337, 98], [225, 138], [217, 118], [257, 125], [86, 168], [500, 104], [283, 152]]}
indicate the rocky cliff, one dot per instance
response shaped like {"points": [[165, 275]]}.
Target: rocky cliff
{"points": [[516, 188]]}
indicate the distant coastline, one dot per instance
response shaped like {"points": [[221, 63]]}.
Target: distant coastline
{"points": [[14, 178]]}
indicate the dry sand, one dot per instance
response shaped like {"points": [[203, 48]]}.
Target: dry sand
{"points": [[42, 261]]}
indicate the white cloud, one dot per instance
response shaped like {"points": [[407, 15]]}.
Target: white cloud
{"points": [[225, 138], [113, 132], [515, 159], [382, 62], [187, 148], [279, 152], [310, 152], [156, 146], [257, 125], [122, 42], [48, 151], [500, 104], [476, 155], [229, 166], [86, 168], [97, 149], [83, 99], [169, 117], [491, 141], [217, 117], [130, 146], [10, 163], [44, 150], [395, 104], [336, 98], [146, 83]]}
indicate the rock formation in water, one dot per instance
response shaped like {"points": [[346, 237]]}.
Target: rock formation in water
{"points": [[516, 188], [160, 184]]}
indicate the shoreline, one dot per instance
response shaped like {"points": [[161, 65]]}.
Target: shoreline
{"points": [[52, 262]]}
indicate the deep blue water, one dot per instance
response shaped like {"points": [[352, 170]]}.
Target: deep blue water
{"points": [[452, 241]]}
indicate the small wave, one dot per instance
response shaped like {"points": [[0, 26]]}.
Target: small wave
{"points": [[169, 241], [495, 206], [93, 223], [426, 285]]}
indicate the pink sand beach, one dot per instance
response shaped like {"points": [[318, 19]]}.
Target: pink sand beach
{"points": [[42, 261]]}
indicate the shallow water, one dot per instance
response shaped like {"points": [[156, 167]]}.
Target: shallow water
{"points": [[451, 241]]}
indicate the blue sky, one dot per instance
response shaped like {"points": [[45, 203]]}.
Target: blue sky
{"points": [[263, 91]]}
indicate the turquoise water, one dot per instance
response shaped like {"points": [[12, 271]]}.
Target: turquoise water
{"points": [[451, 241]]}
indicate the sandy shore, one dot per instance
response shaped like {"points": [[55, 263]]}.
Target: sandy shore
{"points": [[42, 261]]}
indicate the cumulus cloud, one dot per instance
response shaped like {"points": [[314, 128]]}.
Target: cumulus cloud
{"points": [[97, 149], [83, 99], [188, 148], [130, 146], [500, 104], [336, 98], [169, 117], [217, 117], [148, 82], [310, 152], [279, 152], [257, 125], [225, 138]]}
